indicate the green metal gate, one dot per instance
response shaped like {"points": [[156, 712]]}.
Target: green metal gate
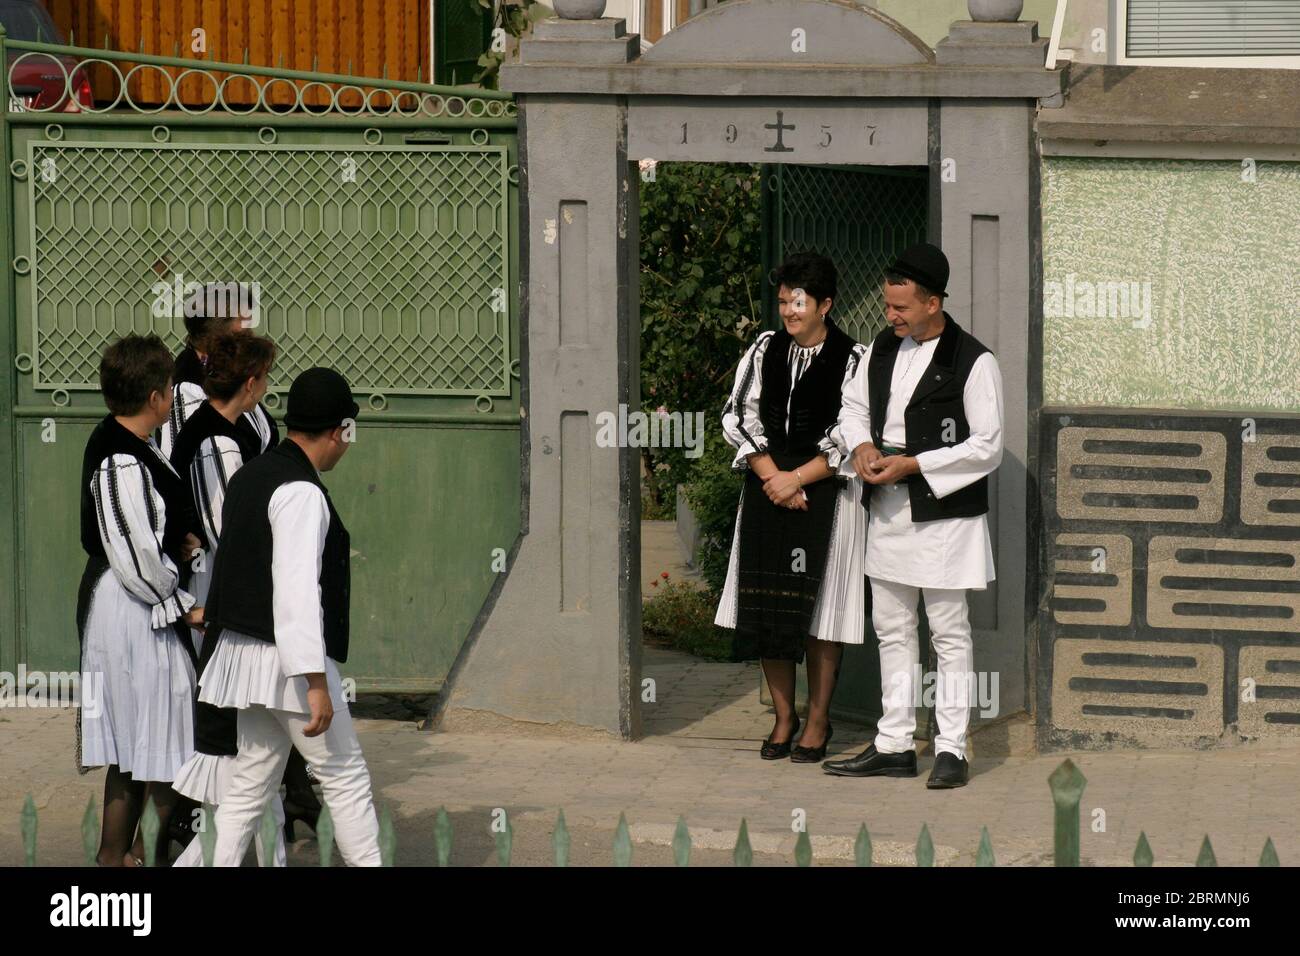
{"points": [[379, 219], [859, 216]]}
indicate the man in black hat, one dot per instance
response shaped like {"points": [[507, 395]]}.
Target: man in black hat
{"points": [[923, 420], [278, 607]]}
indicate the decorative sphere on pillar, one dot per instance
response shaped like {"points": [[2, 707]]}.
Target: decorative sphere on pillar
{"points": [[995, 11], [579, 9]]}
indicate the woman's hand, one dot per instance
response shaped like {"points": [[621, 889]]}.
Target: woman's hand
{"points": [[194, 618], [782, 486]]}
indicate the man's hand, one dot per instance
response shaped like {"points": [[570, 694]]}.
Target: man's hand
{"points": [[865, 458], [782, 486], [194, 618], [322, 709], [891, 469]]}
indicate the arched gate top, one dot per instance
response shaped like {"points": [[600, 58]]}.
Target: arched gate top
{"points": [[791, 32]]}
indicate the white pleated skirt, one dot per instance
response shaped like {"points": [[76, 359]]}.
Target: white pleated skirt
{"points": [[137, 708], [245, 672], [204, 777], [840, 612]]}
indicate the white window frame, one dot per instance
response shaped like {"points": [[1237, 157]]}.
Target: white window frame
{"points": [[1282, 62]]}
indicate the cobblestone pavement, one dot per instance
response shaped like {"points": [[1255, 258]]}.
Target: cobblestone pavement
{"points": [[699, 759]]}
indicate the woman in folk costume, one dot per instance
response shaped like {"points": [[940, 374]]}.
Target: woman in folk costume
{"points": [[217, 309], [209, 450], [136, 650], [794, 585]]}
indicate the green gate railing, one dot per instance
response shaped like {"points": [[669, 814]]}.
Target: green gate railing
{"points": [[378, 219]]}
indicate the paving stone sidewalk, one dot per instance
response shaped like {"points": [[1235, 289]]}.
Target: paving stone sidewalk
{"points": [[699, 759]]}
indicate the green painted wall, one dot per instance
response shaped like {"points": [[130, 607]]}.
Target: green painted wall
{"points": [[1218, 256]]}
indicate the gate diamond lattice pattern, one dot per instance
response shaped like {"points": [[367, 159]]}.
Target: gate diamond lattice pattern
{"points": [[397, 279], [862, 221]]}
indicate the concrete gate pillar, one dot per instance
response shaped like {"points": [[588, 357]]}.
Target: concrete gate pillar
{"points": [[555, 643]]}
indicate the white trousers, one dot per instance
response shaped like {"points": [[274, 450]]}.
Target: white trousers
{"points": [[894, 617], [265, 737], [192, 855]]}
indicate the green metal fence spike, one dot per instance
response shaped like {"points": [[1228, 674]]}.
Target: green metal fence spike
{"points": [[176, 49], [349, 66], [315, 62], [560, 840], [442, 836], [862, 847], [325, 835], [1206, 856], [1067, 783], [149, 832], [384, 68], [245, 56], [27, 824], [1142, 855], [72, 38], [268, 833], [141, 49], [622, 843], [984, 855], [387, 838], [743, 854], [504, 838], [90, 824], [419, 72], [924, 847], [105, 40], [682, 843], [280, 64], [208, 835], [1269, 856], [803, 849]]}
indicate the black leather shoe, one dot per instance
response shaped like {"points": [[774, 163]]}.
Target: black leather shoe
{"points": [[812, 754], [949, 771], [771, 751], [872, 763]]}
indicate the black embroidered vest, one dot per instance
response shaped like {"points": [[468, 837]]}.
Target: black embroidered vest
{"points": [[815, 405], [112, 438], [242, 591], [935, 416]]}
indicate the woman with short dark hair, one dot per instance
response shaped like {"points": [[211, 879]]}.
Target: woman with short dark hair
{"points": [[208, 317], [137, 528], [794, 584]]}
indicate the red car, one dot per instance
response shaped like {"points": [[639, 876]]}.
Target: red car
{"points": [[37, 82]]}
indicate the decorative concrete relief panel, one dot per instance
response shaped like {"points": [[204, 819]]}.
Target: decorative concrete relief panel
{"points": [[1171, 283], [1170, 570], [1269, 687], [1270, 480], [1128, 691]]}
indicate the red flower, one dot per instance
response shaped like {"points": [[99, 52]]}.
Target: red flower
{"points": [[664, 574]]}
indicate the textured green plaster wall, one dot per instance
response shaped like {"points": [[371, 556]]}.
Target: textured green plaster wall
{"points": [[1210, 262]]}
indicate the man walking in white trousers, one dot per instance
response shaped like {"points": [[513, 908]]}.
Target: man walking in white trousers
{"points": [[278, 605]]}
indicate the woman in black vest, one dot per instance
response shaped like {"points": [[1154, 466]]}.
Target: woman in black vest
{"points": [[209, 450], [794, 585], [137, 527]]}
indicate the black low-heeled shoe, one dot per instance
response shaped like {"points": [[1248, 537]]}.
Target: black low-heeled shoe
{"points": [[812, 754], [771, 751]]}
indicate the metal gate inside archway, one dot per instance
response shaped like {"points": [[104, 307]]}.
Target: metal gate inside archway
{"points": [[379, 222]]}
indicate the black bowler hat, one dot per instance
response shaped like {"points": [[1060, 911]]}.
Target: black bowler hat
{"points": [[925, 265], [319, 399]]}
